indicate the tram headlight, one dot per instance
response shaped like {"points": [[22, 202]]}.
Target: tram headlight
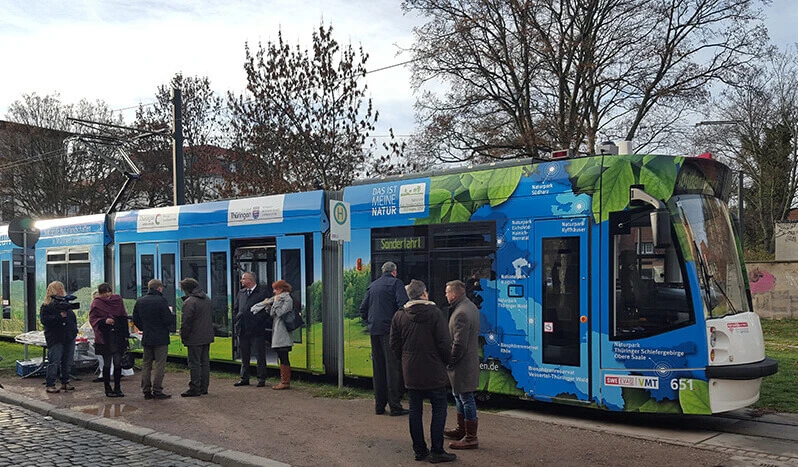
{"points": [[712, 337], [712, 355]]}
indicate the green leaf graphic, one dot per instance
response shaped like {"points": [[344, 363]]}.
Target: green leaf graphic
{"points": [[616, 181], [658, 175], [503, 183], [694, 399], [438, 196], [459, 213], [663, 406]]}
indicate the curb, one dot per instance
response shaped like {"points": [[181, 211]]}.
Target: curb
{"points": [[182, 446]]}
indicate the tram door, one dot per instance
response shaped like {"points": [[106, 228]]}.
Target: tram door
{"points": [[290, 266], [159, 261], [219, 286], [561, 287]]}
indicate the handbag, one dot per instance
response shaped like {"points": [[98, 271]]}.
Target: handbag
{"points": [[126, 362], [293, 320]]}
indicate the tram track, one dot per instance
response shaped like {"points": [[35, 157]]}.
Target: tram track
{"points": [[769, 440]]}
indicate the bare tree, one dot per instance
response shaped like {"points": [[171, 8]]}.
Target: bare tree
{"points": [[306, 117], [40, 176], [523, 77], [204, 120], [758, 134]]}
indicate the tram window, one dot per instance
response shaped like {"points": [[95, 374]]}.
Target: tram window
{"points": [[221, 323], [650, 294], [6, 299], [463, 235], [469, 267], [561, 298], [128, 286], [71, 267], [194, 262], [291, 266], [405, 246], [147, 270]]}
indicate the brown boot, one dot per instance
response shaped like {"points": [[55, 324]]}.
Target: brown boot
{"points": [[285, 378], [459, 432], [469, 441]]}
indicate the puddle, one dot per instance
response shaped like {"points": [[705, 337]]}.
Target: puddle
{"points": [[107, 410]]}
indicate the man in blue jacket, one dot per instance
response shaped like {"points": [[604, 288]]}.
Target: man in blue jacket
{"points": [[152, 316], [383, 298]]}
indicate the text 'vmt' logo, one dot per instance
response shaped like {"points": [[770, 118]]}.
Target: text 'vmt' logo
{"points": [[255, 212]]}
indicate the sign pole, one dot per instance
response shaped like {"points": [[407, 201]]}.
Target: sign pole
{"points": [[25, 284], [340, 299]]}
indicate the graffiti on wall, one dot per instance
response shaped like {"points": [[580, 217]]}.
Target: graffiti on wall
{"points": [[761, 280]]}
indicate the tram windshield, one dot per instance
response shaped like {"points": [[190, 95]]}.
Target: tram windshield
{"points": [[709, 233]]}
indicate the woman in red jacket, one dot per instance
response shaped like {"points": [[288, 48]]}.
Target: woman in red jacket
{"points": [[108, 318]]}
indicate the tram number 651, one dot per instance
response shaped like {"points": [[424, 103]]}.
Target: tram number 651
{"points": [[682, 384]]}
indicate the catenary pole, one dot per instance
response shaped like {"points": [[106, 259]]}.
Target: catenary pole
{"points": [[178, 177]]}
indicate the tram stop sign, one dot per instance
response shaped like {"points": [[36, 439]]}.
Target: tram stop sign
{"points": [[18, 229], [340, 227]]}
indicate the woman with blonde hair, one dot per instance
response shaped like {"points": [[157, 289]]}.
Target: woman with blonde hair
{"points": [[60, 329]]}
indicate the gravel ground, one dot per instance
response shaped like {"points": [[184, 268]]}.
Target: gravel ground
{"points": [[294, 427]]}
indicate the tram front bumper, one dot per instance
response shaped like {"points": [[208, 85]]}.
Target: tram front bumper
{"points": [[755, 370]]}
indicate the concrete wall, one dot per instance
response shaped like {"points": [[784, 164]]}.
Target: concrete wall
{"points": [[786, 234], [774, 288]]}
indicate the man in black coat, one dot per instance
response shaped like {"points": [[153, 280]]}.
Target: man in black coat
{"points": [[251, 329], [420, 338], [152, 316], [383, 297]]}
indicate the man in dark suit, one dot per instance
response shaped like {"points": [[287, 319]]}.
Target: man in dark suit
{"points": [[152, 316], [251, 329], [383, 298]]}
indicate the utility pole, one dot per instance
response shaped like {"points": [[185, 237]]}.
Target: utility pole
{"points": [[178, 177]]}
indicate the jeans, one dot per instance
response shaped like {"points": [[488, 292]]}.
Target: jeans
{"points": [[199, 367], [437, 397], [387, 374], [152, 381], [60, 357], [245, 345], [466, 404]]}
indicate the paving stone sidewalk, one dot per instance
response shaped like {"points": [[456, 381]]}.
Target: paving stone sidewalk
{"points": [[32, 439]]}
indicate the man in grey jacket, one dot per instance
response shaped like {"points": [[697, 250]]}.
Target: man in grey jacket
{"points": [[196, 332], [383, 297], [464, 367]]}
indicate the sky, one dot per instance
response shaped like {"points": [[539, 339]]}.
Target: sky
{"points": [[120, 51]]}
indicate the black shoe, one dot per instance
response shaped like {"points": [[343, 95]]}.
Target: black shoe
{"points": [[191, 393], [241, 383], [119, 393], [148, 395], [161, 396], [399, 412], [261, 383], [204, 392], [438, 457], [420, 456], [379, 411], [113, 394]]}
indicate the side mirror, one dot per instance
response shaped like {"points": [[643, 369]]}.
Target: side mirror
{"points": [[661, 228], [660, 217]]}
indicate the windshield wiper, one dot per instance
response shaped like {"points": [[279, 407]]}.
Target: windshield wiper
{"points": [[709, 279]]}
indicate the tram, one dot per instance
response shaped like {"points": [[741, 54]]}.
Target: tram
{"points": [[614, 281]]}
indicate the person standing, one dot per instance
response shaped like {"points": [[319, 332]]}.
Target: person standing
{"points": [[152, 316], [464, 367], [383, 298], [282, 341], [108, 319], [251, 329], [60, 329], [196, 332], [420, 339]]}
